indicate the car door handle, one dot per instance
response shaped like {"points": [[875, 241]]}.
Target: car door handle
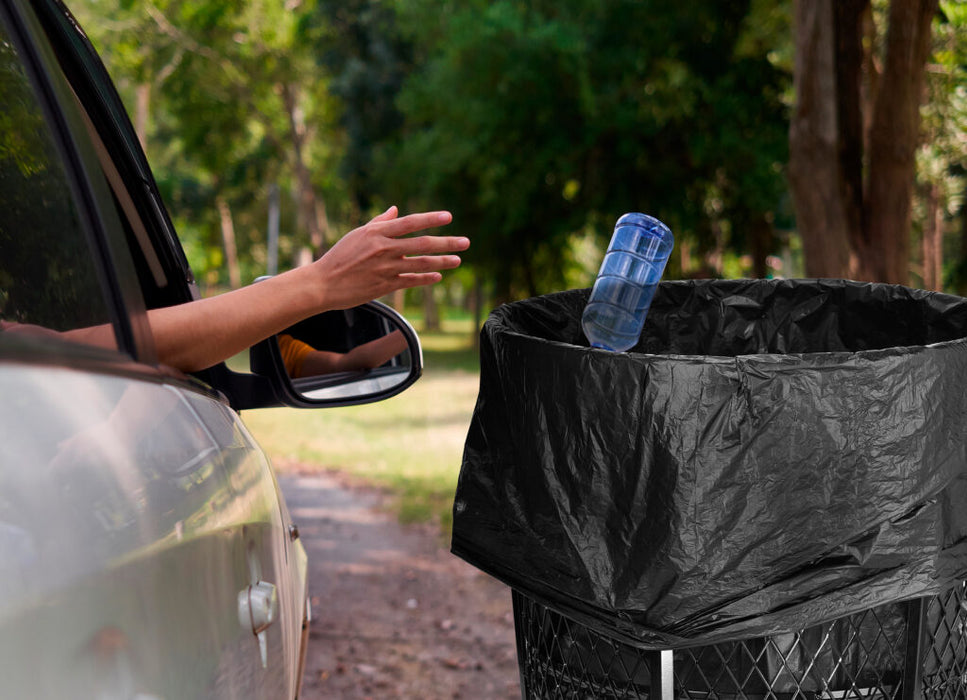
{"points": [[258, 606]]}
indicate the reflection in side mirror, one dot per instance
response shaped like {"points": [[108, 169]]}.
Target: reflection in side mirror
{"points": [[358, 355]]}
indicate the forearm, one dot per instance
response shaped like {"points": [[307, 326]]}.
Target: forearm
{"points": [[374, 353], [202, 333], [102, 336], [366, 263], [366, 356]]}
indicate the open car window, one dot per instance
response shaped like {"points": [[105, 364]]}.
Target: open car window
{"points": [[159, 263], [49, 282]]}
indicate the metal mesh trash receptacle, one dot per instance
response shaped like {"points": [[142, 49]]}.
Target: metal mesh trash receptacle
{"points": [[898, 651], [775, 464]]}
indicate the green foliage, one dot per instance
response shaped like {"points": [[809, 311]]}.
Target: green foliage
{"points": [[940, 161], [21, 123], [230, 81], [355, 42], [536, 121], [47, 275]]}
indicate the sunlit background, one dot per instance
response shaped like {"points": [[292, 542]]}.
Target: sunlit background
{"points": [[769, 149]]}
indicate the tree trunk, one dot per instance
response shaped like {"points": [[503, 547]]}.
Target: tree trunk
{"points": [[851, 227], [228, 240], [848, 58], [312, 210], [397, 300], [477, 310], [142, 108], [960, 271], [715, 258], [761, 245], [431, 311], [933, 239], [272, 234], [685, 253], [815, 175], [894, 137]]}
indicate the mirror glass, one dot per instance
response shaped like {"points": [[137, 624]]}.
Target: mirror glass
{"points": [[349, 354]]}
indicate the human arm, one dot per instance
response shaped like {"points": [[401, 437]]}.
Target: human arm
{"points": [[101, 336], [365, 356], [368, 262]]}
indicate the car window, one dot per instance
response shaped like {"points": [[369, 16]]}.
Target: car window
{"points": [[159, 261], [48, 277]]}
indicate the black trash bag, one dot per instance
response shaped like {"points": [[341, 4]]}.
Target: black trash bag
{"points": [[771, 455]]}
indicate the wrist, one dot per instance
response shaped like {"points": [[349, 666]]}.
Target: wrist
{"points": [[304, 293]]}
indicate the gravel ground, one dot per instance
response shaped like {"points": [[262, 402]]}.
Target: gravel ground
{"points": [[395, 615]]}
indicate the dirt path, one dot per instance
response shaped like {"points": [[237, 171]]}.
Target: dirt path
{"points": [[395, 614]]}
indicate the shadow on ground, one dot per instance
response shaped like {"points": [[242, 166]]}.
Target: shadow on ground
{"points": [[395, 615]]}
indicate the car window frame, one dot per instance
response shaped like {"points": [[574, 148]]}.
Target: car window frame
{"points": [[91, 194], [97, 93], [79, 84]]}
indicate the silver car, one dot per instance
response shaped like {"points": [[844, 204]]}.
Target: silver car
{"points": [[145, 549]]}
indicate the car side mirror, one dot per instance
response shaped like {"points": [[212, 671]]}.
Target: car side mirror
{"points": [[341, 358]]}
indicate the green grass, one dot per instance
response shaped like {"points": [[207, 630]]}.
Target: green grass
{"points": [[410, 445]]}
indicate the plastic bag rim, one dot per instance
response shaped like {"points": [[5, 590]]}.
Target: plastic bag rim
{"points": [[769, 357], [500, 326]]}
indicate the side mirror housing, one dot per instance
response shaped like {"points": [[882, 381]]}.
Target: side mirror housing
{"points": [[341, 358]]}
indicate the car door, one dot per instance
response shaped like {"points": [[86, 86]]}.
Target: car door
{"points": [[143, 544]]}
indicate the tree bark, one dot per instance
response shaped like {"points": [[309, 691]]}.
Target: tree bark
{"points": [[848, 59], [894, 137], [815, 175], [851, 226], [685, 253], [228, 240], [761, 245], [142, 109], [477, 308], [397, 300], [312, 210], [933, 239], [431, 310]]}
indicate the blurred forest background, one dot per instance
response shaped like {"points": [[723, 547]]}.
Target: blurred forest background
{"points": [[776, 138]]}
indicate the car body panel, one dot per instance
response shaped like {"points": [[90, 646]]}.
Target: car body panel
{"points": [[139, 520], [131, 517], [135, 509]]}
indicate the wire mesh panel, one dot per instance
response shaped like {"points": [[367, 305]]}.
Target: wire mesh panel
{"points": [[860, 656], [893, 652], [560, 658], [945, 653]]}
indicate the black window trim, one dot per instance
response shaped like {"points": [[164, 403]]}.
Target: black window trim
{"points": [[94, 87], [99, 219], [89, 189]]}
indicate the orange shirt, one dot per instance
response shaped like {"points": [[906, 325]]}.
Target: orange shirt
{"points": [[294, 354]]}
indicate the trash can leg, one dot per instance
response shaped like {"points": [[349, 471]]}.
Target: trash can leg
{"points": [[662, 675], [913, 662]]}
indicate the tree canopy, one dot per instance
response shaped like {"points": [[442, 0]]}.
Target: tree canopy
{"points": [[538, 124]]}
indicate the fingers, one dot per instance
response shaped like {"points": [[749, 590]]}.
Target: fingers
{"points": [[409, 280], [380, 257], [432, 245], [395, 227], [387, 215], [427, 263]]}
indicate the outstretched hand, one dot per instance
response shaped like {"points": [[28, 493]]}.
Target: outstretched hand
{"points": [[367, 263], [375, 259]]}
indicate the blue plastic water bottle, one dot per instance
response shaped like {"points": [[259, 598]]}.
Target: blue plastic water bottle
{"points": [[626, 282]]}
